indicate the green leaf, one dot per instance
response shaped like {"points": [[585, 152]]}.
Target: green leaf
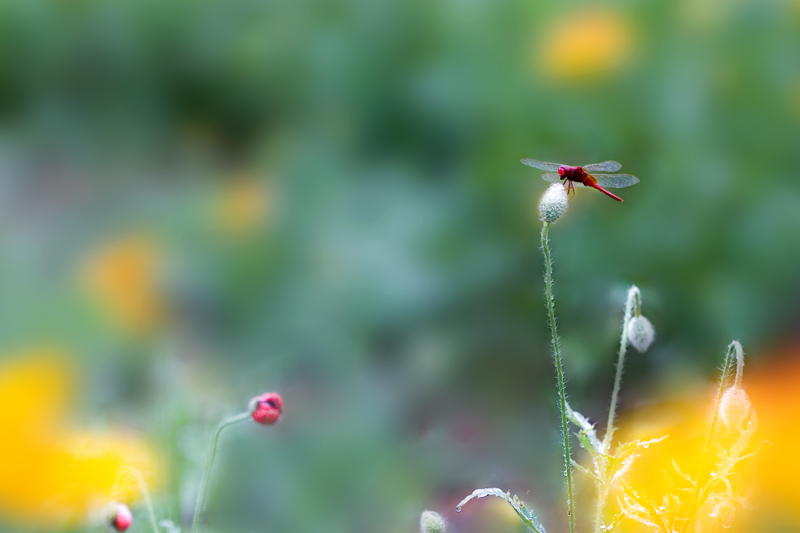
{"points": [[587, 472], [522, 511], [587, 435]]}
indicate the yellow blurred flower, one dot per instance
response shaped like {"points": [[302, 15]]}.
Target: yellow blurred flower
{"points": [[774, 391], [123, 275], [242, 206], [767, 481], [685, 422], [50, 474], [584, 46]]}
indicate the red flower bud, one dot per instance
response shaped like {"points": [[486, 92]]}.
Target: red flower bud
{"points": [[121, 517], [267, 408]]}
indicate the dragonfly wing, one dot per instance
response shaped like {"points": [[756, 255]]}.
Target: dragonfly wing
{"points": [[605, 166], [541, 165], [616, 181], [553, 177]]}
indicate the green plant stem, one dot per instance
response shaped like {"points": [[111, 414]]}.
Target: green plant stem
{"points": [[632, 304], [600, 506], [634, 298], [739, 351], [734, 348], [201, 493], [135, 474], [562, 395]]}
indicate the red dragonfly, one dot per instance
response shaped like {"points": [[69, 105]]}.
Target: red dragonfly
{"points": [[580, 177]]}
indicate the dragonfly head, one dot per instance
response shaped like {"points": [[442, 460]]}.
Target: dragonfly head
{"points": [[562, 171]]}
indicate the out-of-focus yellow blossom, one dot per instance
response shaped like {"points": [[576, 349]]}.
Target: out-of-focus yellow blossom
{"points": [[50, 474], [123, 275], [580, 47], [242, 206], [775, 394], [685, 423], [767, 481]]}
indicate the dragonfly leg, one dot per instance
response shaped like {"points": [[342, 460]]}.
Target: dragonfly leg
{"points": [[569, 186]]}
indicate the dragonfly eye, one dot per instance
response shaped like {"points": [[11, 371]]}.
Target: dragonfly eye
{"points": [[561, 171]]}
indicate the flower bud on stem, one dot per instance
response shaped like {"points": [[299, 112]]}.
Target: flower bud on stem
{"points": [[632, 304], [118, 516], [633, 313], [432, 522], [735, 350], [135, 474], [553, 203], [265, 409]]}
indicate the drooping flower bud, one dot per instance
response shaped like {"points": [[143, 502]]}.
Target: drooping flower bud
{"points": [[267, 408], [641, 333], [431, 522], [553, 203], [119, 516], [734, 407]]}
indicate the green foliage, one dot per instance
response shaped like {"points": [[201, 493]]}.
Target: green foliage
{"points": [[526, 515]]}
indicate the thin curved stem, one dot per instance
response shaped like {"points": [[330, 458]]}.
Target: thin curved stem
{"points": [[562, 395], [632, 306], [135, 474], [634, 299], [201, 493], [734, 349], [737, 348]]}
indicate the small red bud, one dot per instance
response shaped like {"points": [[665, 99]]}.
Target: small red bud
{"points": [[121, 518], [267, 408]]}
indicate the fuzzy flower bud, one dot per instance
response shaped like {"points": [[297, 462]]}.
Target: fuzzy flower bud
{"points": [[734, 407], [431, 522], [553, 203], [119, 516], [267, 408], [641, 333], [723, 512]]}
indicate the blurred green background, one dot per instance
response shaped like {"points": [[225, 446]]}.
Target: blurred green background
{"points": [[204, 200]]}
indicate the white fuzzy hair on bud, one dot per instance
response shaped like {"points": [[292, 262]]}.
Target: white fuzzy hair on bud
{"points": [[641, 333], [553, 203], [431, 522], [734, 407]]}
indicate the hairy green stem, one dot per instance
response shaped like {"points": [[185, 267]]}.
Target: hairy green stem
{"points": [[201, 493], [135, 474], [634, 298], [737, 348], [632, 305], [600, 506], [562, 395], [734, 350]]}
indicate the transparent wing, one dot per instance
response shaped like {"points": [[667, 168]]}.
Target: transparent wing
{"points": [[541, 165], [616, 181], [605, 166], [553, 177]]}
